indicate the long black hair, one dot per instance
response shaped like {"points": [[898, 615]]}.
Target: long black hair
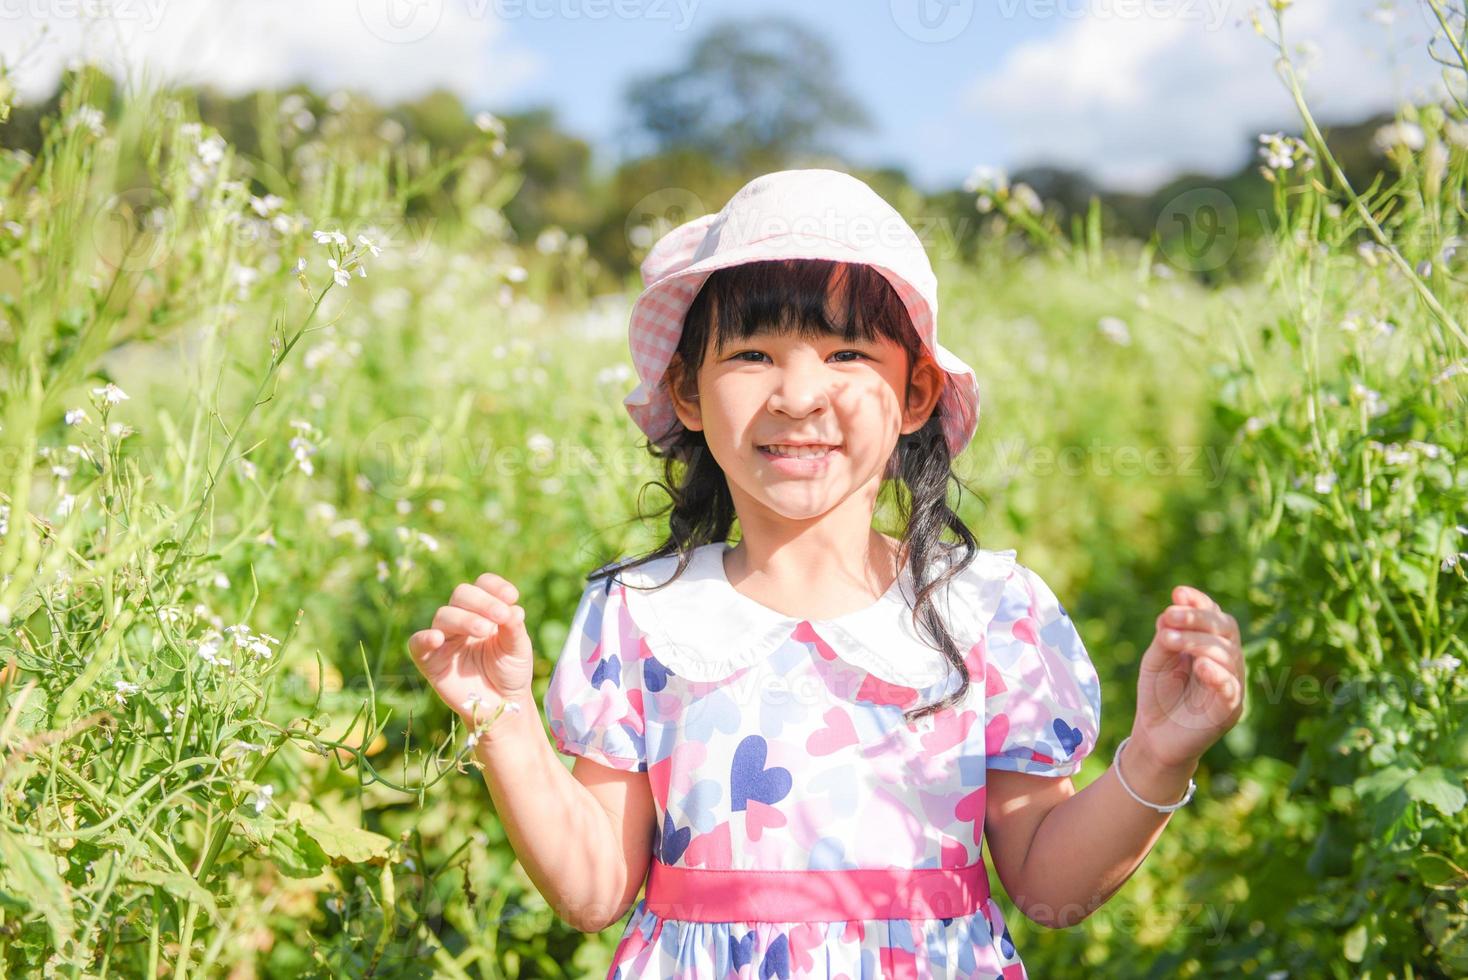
{"points": [[793, 295]]}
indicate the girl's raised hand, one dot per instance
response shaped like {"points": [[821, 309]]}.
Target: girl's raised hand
{"points": [[477, 653], [1190, 687]]}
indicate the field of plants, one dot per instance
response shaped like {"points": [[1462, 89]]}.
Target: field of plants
{"points": [[259, 415]]}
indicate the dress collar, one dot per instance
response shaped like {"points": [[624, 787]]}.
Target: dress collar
{"points": [[702, 628]]}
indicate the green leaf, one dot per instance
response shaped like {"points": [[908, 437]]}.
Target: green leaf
{"points": [[29, 880], [296, 855], [343, 844], [1433, 785], [181, 886], [1383, 783], [1353, 947], [1438, 872], [1299, 503]]}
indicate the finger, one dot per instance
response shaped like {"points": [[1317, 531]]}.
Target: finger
{"points": [[1214, 675], [1186, 595], [1175, 639], [424, 642], [1197, 652], [498, 586], [1191, 617], [453, 620], [476, 600]]}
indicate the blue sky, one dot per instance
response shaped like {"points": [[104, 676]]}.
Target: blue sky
{"points": [[1130, 91]]}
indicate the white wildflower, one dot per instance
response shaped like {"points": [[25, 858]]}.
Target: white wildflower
{"points": [[260, 798], [300, 267], [1446, 662], [1372, 399], [211, 150], [76, 416], [209, 649], [110, 393], [1394, 134], [551, 240], [1115, 330], [122, 690], [238, 749], [1452, 370], [340, 275], [987, 179], [267, 205], [86, 117], [489, 123], [66, 504], [1028, 199], [369, 244], [617, 374], [329, 237], [540, 443], [1324, 481]]}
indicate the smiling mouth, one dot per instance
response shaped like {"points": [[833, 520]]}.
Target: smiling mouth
{"points": [[799, 452]]}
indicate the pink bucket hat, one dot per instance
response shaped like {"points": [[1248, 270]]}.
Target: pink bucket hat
{"points": [[788, 214]]}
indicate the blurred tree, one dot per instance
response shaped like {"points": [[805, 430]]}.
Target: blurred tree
{"points": [[557, 189], [752, 94]]}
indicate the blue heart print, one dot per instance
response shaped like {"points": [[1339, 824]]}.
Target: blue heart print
{"points": [[607, 668], [750, 780], [741, 950], [1069, 737], [672, 842], [1061, 635], [715, 710], [654, 675], [777, 959], [700, 803], [829, 854]]}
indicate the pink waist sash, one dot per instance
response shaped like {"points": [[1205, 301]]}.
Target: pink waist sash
{"points": [[722, 895]]}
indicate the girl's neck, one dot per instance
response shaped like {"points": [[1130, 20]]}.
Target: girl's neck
{"points": [[814, 581]]}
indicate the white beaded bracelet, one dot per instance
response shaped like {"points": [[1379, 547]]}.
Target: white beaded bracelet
{"points": [[1116, 764]]}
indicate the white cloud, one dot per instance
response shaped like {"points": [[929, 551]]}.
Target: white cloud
{"points": [[390, 49], [1133, 100]]}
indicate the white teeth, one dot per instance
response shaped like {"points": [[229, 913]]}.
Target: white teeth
{"points": [[799, 452]]}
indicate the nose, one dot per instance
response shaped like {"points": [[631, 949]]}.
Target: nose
{"points": [[802, 386]]}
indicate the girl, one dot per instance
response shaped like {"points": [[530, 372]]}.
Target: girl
{"points": [[802, 741]]}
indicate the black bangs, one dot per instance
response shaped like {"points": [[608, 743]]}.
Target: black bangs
{"points": [[810, 298]]}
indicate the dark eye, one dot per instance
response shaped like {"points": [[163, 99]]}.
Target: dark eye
{"points": [[755, 353]]}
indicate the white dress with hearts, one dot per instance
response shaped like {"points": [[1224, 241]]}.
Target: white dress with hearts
{"points": [[777, 743]]}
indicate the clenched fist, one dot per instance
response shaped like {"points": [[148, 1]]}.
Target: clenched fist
{"points": [[477, 653]]}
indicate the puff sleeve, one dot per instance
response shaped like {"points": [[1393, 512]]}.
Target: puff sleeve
{"points": [[593, 703], [1042, 696]]}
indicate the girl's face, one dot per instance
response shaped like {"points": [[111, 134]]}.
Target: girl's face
{"points": [[777, 388]]}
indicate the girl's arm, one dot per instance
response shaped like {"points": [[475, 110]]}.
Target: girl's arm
{"points": [[1062, 854], [584, 838]]}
